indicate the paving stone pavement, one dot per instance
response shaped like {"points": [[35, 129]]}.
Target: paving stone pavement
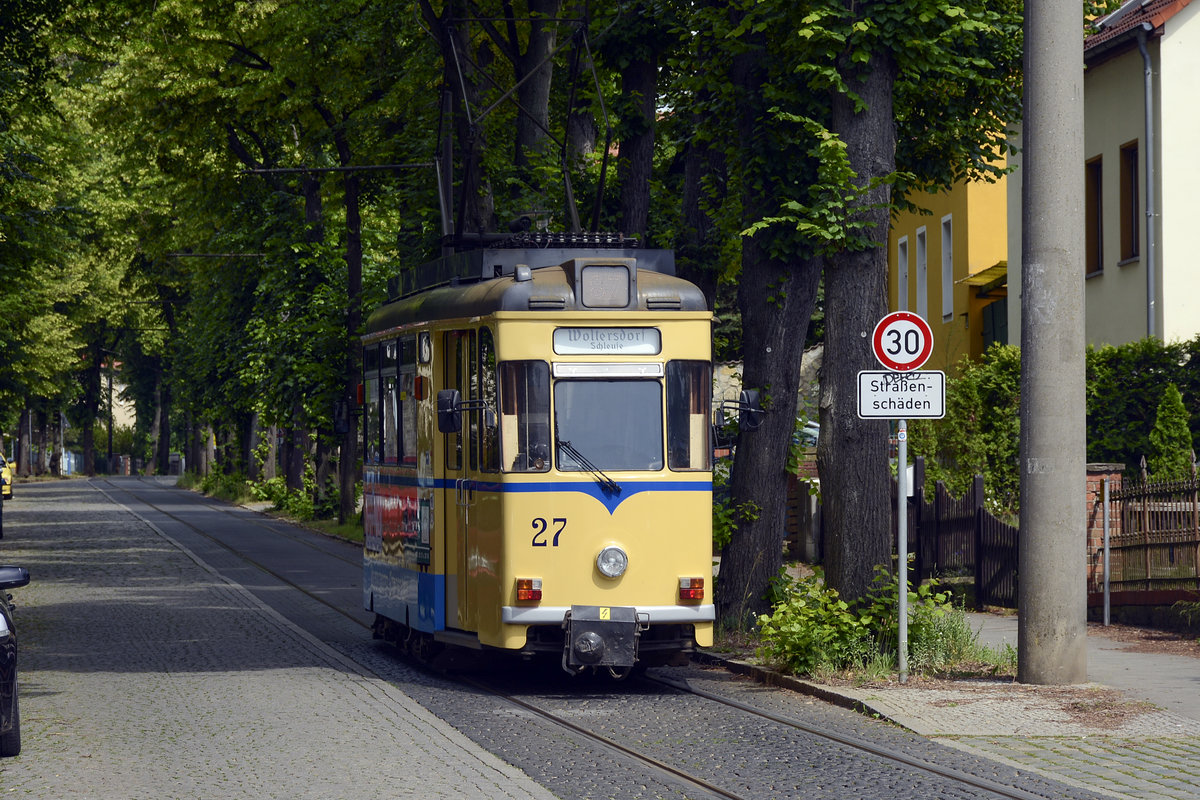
{"points": [[146, 675], [1137, 737], [1147, 753]]}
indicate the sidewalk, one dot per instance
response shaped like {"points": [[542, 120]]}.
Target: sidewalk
{"points": [[1132, 732]]}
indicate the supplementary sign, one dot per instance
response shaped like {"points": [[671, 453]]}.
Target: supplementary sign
{"points": [[902, 395]]}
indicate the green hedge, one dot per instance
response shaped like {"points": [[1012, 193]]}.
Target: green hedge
{"points": [[1125, 387]]}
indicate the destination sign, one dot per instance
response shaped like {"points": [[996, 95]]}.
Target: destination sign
{"points": [[607, 341], [902, 395]]}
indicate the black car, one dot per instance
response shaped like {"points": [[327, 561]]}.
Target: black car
{"points": [[10, 715]]}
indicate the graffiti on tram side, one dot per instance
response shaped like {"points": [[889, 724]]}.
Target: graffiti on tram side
{"points": [[396, 520]]}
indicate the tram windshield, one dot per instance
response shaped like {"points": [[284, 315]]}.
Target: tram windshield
{"points": [[604, 424], [608, 425]]}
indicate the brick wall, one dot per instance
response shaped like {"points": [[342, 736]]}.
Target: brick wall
{"points": [[1094, 507]]}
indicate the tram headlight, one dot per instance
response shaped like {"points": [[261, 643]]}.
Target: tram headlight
{"points": [[612, 562]]}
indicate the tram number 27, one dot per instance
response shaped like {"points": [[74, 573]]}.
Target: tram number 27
{"points": [[542, 530]]}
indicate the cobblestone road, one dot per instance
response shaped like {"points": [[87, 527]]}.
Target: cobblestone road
{"points": [[146, 675]]}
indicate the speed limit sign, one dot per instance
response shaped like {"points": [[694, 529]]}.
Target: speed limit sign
{"points": [[902, 341]]}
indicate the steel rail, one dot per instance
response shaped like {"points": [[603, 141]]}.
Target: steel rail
{"points": [[974, 781], [549, 716], [863, 745]]}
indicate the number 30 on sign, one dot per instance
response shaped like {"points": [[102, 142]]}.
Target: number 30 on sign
{"points": [[902, 341]]}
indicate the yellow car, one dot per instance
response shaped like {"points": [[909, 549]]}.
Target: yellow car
{"points": [[6, 478]]}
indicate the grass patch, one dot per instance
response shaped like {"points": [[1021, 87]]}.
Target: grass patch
{"points": [[351, 531]]}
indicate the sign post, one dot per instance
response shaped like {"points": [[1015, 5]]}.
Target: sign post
{"points": [[902, 342]]}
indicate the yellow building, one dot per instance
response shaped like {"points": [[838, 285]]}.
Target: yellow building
{"points": [[950, 267]]}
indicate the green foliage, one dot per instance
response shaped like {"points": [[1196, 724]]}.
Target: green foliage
{"points": [[226, 486], [814, 628], [727, 514], [813, 631], [1189, 610], [1124, 388], [980, 433], [303, 504], [1171, 440]]}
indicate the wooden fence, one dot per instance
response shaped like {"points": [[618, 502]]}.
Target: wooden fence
{"points": [[958, 536], [947, 536], [1154, 542], [1154, 539]]}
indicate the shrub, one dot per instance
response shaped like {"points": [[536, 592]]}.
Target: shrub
{"points": [[226, 486], [1170, 440], [813, 628], [811, 631]]}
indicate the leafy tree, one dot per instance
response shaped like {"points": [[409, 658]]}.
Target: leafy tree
{"points": [[908, 94], [762, 155], [1171, 441]]}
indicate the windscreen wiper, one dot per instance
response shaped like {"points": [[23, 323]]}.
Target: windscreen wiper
{"points": [[607, 484]]}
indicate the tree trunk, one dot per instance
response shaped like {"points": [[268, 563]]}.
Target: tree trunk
{"points": [[269, 470], [91, 408], [293, 452], [776, 298], [698, 258], [635, 160], [348, 459], [852, 453], [43, 438], [536, 71], [24, 445], [56, 450], [163, 452]]}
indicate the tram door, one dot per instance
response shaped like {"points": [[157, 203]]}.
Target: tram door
{"points": [[472, 459], [458, 488]]}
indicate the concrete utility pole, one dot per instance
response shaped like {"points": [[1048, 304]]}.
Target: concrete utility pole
{"points": [[1052, 628]]}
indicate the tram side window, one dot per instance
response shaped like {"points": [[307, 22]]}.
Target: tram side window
{"points": [[689, 392], [456, 356], [525, 416], [485, 435], [371, 414], [391, 399], [408, 400]]}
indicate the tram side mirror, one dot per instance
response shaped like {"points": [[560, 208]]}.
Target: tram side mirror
{"points": [[750, 407], [449, 411]]}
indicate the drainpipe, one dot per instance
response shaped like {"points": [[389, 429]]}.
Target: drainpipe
{"points": [[1151, 236]]}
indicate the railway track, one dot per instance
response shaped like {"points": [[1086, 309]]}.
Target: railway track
{"points": [[661, 685]]}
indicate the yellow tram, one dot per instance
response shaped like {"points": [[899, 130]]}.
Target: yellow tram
{"points": [[538, 463]]}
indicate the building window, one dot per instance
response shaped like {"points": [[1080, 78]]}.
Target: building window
{"points": [[947, 269], [1130, 203], [902, 274], [1093, 218], [922, 276]]}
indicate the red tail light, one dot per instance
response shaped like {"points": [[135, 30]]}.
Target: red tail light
{"points": [[529, 590], [691, 589]]}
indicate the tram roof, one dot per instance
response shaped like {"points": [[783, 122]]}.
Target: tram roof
{"points": [[556, 280], [533, 250]]}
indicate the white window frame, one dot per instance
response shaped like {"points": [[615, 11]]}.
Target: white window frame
{"points": [[922, 275], [947, 268], [902, 274]]}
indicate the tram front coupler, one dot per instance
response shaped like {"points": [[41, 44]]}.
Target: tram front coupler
{"points": [[601, 636]]}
